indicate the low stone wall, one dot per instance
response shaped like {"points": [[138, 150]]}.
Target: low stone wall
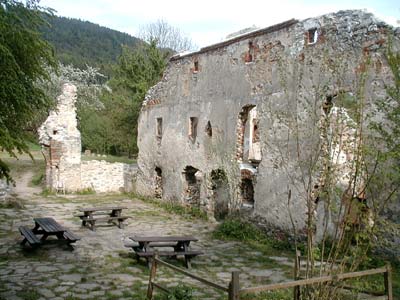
{"points": [[102, 176]]}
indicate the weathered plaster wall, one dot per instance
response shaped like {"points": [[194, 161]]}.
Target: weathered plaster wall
{"points": [[288, 78], [61, 147]]}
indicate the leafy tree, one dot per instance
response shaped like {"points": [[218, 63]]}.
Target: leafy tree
{"points": [[113, 128], [23, 57], [166, 36]]}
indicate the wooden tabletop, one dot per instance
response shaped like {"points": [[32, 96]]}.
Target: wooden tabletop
{"points": [[49, 225], [102, 208], [144, 239]]}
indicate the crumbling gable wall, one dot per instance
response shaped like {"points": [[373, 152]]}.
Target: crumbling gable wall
{"points": [[61, 146], [286, 72], [61, 143]]}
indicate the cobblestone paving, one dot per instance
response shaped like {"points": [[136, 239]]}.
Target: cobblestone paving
{"points": [[100, 267]]}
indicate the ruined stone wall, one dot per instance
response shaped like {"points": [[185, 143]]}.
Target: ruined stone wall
{"points": [[61, 143], [61, 147], [287, 72], [102, 176]]}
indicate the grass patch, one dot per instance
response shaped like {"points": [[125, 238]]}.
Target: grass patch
{"points": [[180, 292], [375, 282], [87, 191], [11, 203], [235, 229], [37, 179], [48, 192], [29, 295], [109, 158], [187, 212], [284, 294]]}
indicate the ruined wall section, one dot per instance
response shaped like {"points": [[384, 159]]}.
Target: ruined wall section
{"points": [[61, 142], [61, 147], [287, 74], [103, 177]]}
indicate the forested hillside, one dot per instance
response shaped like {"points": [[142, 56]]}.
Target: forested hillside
{"points": [[82, 43]]}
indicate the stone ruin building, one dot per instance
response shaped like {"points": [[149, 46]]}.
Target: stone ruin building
{"points": [[227, 126], [61, 146]]}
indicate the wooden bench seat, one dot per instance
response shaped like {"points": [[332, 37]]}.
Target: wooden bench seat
{"points": [[170, 253], [92, 220], [152, 244], [70, 237], [29, 236], [189, 254], [94, 214]]}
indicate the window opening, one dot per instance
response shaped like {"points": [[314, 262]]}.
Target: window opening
{"points": [[312, 35], [328, 103], [256, 132], [158, 183], [209, 129], [193, 121], [159, 128], [250, 53]]}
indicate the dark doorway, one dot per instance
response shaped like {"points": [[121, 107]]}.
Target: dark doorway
{"points": [[247, 192], [192, 187], [220, 193]]}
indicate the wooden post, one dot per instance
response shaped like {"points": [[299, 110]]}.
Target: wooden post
{"points": [[152, 276], [388, 282], [296, 275], [234, 287]]}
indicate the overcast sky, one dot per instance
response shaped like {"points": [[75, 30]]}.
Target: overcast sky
{"points": [[209, 21]]}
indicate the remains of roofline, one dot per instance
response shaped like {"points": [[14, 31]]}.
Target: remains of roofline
{"points": [[245, 36]]}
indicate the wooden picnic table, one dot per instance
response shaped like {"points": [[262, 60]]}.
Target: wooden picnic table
{"points": [[145, 246], [103, 213], [46, 227]]}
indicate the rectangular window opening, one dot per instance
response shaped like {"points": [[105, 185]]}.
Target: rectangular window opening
{"points": [[312, 35], [193, 128], [159, 128]]}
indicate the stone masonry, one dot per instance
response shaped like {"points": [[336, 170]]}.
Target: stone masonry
{"points": [[61, 147], [259, 104]]}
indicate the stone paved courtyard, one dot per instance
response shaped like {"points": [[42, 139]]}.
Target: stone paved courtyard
{"points": [[100, 267]]}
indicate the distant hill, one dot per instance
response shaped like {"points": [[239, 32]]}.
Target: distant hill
{"points": [[82, 43]]}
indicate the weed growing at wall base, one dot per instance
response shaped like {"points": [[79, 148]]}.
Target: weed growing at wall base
{"points": [[175, 208], [86, 191], [236, 229]]}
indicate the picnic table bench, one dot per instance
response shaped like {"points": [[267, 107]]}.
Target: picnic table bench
{"points": [[45, 227], [146, 247], [111, 214]]}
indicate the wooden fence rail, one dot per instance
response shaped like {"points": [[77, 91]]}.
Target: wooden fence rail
{"points": [[234, 291], [156, 261]]}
